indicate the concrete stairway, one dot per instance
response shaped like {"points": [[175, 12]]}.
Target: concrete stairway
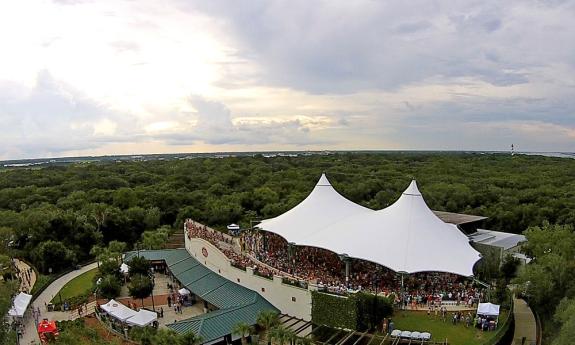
{"points": [[176, 240]]}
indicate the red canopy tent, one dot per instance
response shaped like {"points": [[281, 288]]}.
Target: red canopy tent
{"points": [[47, 330]]}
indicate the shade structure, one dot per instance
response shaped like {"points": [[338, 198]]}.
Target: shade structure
{"points": [[46, 326], [184, 291], [20, 304], [488, 309], [233, 227], [117, 310], [124, 268], [406, 237], [142, 318], [322, 208]]}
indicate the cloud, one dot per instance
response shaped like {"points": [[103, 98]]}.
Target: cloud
{"points": [[107, 77], [343, 47], [52, 118], [212, 123]]}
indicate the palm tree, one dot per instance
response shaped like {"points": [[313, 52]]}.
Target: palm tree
{"points": [[267, 319], [304, 341], [276, 334], [189, 338], [290, 336], [281, 334], [242, 329]]}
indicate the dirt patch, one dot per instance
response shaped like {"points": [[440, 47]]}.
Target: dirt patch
{"points": [[95, 324]]}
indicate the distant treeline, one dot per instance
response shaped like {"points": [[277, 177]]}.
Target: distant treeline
{"points": [[58, 213]]}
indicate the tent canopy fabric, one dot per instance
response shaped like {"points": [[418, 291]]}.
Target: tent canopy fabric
{"points": [[124, 268], [184, 291], [46, 326], [233, 227], [118, 310], [20, 304], [406, 237], [323, 207], [142, 318], [488, 309]]}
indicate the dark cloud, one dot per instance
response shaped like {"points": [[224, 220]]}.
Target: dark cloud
{"points": [[346, 47]]}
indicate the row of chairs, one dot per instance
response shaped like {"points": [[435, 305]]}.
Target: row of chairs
{"points": [[411, 335]]}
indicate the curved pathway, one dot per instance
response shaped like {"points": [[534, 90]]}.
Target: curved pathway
{"points": [[30, 334], [525, 325]]}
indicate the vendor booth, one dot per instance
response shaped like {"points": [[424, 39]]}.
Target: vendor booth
{"points": [[142, 318], [233, 229], [487, 316], [20, 304], [47, 331], [117, 310], [488, 309]]}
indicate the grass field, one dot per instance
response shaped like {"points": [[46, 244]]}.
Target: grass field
{"points": [[77, 286], [455, 334]]}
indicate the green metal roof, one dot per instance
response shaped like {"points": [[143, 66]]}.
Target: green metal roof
{"points": [[170, 256], [183, 265], [235, 302], [194, 274], [230, 295], [219, 323], [207, 284]]}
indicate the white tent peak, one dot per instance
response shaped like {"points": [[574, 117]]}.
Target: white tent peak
{"points": [[405, 237], [412, 189], [323, 181], [323, 207]]}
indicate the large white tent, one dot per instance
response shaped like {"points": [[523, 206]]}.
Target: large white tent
{"points": [[20, 304], [406, 237], [323, 207], [142, 318], [118, 310], [488, 309]]}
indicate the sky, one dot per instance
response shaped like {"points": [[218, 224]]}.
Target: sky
{"points": [[83, 77]]}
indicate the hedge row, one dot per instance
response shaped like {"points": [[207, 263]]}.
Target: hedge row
{"points": [[358, 311], [334, 311]]}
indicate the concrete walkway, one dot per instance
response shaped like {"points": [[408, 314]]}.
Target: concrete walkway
{"points": [[525, 325], [30, 335]]}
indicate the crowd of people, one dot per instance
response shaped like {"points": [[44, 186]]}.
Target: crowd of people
{"points": [[269, 254], [224, 243]]}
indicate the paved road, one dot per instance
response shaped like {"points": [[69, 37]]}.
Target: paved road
{"points": [[30, 334], [525, 325]]}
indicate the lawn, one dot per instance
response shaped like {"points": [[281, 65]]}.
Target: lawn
{"points": [[455, 334], [77, 286]]}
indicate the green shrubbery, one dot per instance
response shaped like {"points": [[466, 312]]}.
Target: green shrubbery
{"points": [[360, 311]]}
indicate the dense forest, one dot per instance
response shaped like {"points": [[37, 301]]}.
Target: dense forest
{"points": [[62, 215], [56, 214]]}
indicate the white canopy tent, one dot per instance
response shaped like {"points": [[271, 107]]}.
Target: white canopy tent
{"points": [[20, 304], [124, 268], [142, 318], [184, 291], [488, 309], [323, 207], [233, 227], [406, 237], [118, 310]]}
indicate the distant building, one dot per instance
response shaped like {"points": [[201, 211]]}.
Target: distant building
{"points": [[503, 243]]}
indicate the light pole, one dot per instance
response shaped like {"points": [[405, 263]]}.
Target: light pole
{"points": [[153, 284], [345, 258]]}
